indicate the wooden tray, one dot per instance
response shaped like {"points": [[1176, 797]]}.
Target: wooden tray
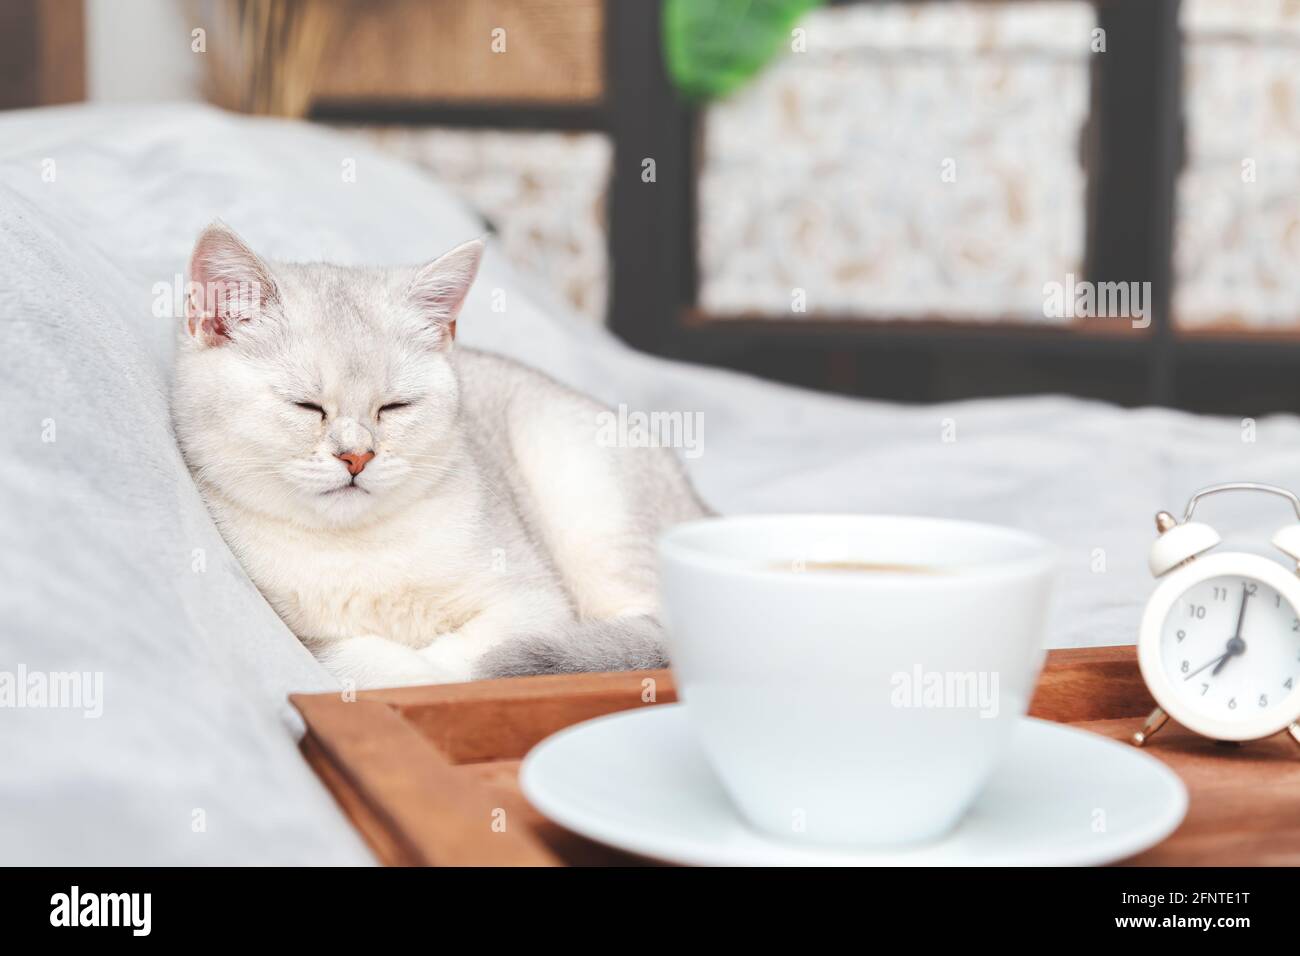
{"points": [[428, 775]]}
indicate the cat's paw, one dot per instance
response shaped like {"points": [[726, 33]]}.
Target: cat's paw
{"points": [[450, 654], [371, 661]]}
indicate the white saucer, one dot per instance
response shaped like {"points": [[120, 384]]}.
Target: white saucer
{"points": [[639, 782]]}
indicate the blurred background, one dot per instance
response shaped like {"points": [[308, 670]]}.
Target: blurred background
{"points": [[860, 197]]}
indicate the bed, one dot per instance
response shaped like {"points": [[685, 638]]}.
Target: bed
{"points": [[111, 566]]}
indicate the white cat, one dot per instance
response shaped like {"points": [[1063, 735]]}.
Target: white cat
{"points": [[415, 512]]}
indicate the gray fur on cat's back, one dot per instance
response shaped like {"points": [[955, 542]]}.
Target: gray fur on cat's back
{"points": [[630, 644]]}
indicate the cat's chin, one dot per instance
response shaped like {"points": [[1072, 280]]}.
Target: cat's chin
{"points": [[344, 491], [344, 507]]}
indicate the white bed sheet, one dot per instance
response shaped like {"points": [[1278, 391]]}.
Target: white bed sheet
{"points": [[101, 527]]}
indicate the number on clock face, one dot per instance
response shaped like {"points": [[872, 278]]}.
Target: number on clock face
{"points": [[1231, 647]]}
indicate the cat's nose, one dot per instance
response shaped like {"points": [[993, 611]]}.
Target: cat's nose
{"points": [[355, 460]]}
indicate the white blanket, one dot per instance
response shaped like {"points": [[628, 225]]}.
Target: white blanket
{"points": [[110, 565]]}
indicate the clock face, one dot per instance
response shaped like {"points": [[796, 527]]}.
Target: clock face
{"points": [[1230, 648]]}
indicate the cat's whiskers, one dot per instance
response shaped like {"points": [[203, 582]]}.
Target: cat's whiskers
{"points": [[479, 479]]}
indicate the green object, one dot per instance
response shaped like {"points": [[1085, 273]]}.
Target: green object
{"points": [[713, 47]]}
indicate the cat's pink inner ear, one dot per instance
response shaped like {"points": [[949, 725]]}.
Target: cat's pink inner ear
{"points": [[229, 285], [439, 288]]}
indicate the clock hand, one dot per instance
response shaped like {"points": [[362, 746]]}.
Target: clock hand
{"points": [[1235, 644], [1218, 660], [1241, 615]]}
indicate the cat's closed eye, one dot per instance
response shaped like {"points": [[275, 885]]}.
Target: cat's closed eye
{"points": [[393, 406], [312, 407]]}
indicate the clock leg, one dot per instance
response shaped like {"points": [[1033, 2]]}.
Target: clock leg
{"points": [[1294, 731], [1154, 723]]}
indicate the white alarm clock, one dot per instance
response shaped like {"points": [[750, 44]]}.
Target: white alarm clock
{"points": [[1219, 645]]}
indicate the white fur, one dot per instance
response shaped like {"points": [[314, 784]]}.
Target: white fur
{"points": [[489, 511]]}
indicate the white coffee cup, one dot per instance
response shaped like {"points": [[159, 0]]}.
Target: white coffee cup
{"points": [[854, 707]]}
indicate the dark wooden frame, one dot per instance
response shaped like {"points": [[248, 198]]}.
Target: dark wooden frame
{"points": [[1134, 146], [1133, 143]]}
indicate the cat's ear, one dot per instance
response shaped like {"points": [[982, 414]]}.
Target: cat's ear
{"points": [[439, 288], [229, 286]]}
